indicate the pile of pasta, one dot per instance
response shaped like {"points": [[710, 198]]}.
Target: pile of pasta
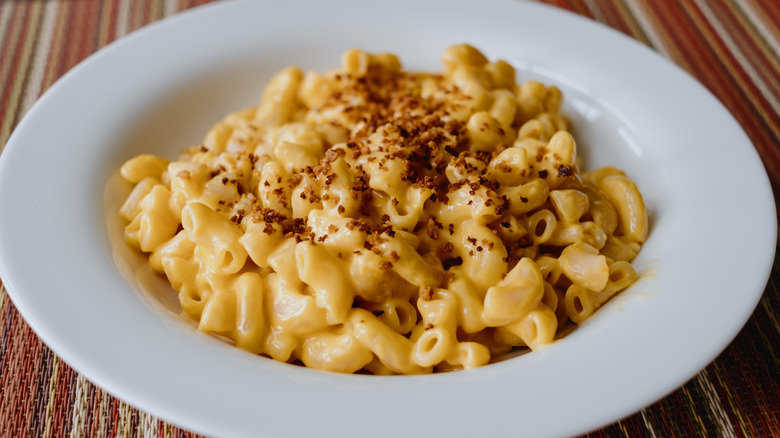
{"points": [[370, 219]]}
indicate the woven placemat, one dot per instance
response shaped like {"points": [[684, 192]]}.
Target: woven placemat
{"points": [[730, 46]]}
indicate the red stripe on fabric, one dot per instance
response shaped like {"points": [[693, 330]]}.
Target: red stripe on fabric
{"points": [[680, 405], [133, 421], [67, 10], [86, 18], [660, 419], [563, 4], [114, 417]]}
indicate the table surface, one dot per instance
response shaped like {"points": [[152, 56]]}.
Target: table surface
{"points": [[731, 46]]}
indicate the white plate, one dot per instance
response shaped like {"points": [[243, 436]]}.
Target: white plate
{"points": [[703, 268]]}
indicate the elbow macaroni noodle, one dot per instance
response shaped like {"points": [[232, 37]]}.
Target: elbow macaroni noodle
{"points": [[369, 219]]}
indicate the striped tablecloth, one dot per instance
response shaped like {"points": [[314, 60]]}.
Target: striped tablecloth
{"points": [[730, 46]]}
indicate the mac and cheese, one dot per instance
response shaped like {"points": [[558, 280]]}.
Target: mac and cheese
{"points": [[369, 219]]}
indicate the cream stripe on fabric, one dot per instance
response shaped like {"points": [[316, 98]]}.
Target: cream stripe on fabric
{"points": [[2, 297], [38, 69], [55, 370], [5, 16], [125, 419], [102, 413], [647, 27], [738, 55], [170, 7], [79, 408], [759, 24], [648, 424], [147, 425], [713, 401], [122, 18]]}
